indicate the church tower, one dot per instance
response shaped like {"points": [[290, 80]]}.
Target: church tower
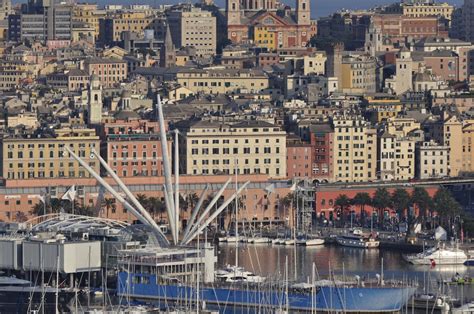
{"points": [[303, 12], [95, 100], [168, 52], [233, 12]]}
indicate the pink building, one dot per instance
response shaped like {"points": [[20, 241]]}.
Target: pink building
{"points": [[110, 71], [321, 136], [443, 63], [132, 146], [298, 158]]}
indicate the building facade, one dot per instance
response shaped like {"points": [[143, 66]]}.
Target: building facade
{"points": [[355, 150], [431, 160], [251, 147], [44, 157], [194, 27]]}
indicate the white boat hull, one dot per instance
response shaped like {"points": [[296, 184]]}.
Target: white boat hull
{"points": [[289, 242], [438, 257], [313, 242]]}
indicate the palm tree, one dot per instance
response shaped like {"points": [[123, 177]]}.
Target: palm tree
{"points": [[422, 199], [446, 207], [362, 199], [38, 209], [21, 217], [109, 203], [142, 199], [343, 202], [381, 201], [400, 201], [193, 198]]}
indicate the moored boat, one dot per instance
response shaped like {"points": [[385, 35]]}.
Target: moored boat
{"points": [[358, 240], [438, 256]]}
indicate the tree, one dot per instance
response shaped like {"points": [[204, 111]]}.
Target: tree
{"points": [[381, 201], [109, 204], [343, 202], [446, 207], [154, 206], [38, 209], [400, 201], [362, 199], [422, 199], [21, 217]]}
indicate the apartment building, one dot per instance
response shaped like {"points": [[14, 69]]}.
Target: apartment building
{"points": [[112, 27], [358, 74], [467, 147], [448, 132], [132, 155], [193, 27], [42, 23], [223, 81], [355, 149], [251, 147], [72, 80], [110, 71], [32, 157], [322, 141], [431, 160], [401, 126], [88, 14], [396, 158], [422, 9], [12, 73], [298, 158]]}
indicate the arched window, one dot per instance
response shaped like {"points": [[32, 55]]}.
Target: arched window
{"points": [[96, 97]]}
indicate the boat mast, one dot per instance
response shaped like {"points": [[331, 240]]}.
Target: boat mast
{"points": [[236, 211]]}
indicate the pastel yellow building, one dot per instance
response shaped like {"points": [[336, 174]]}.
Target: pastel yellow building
{"points": [[263, 37], [251, 147], [424, 10], [31, 157], [223, 81], [468, 147], [88, 14], [112, 27], [355, 150]]}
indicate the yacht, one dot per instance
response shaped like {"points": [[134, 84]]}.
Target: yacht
{"points": [[232, 273], [437, 256], [359, 240]]}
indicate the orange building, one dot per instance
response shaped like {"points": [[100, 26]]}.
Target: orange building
{"points": [[326, 197], [261, 200]]}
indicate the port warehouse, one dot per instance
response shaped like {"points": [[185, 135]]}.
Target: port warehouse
{"points": [[258, 204]]}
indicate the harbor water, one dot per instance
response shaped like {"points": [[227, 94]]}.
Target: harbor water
{"points": [[344, 262]]}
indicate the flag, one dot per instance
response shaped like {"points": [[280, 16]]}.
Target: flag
{"points": [[70, 194], [270, 189], [42, 197], [293, 187]]}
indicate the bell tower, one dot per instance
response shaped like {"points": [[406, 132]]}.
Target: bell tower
{"points": [[95, 100], [233, 12], [303, 12]]}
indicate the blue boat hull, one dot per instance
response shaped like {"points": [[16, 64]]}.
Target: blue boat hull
{"points": [[349, 299]]}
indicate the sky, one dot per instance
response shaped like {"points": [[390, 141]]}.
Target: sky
{"points": [[318, 7]]}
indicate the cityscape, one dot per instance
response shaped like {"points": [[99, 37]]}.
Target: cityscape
{"points": [[262, 156]]}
